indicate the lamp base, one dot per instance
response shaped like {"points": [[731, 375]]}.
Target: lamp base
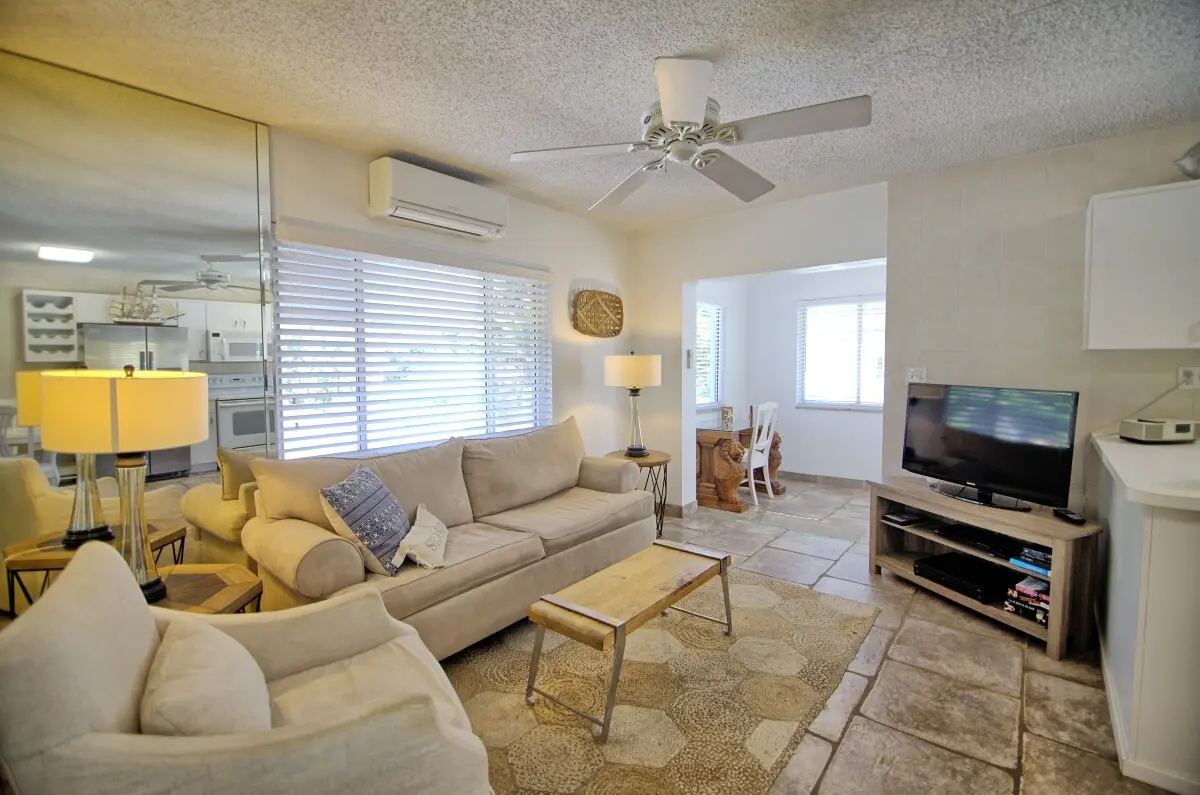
{"points": [[636, 452], [77, 538], [155, 590]]}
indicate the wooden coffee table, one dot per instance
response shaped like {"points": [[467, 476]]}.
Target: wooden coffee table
{"points": [[210, 588], [603, 609], [47, 555]]}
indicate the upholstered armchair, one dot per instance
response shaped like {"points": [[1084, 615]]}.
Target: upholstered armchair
{"points": [[219, 522], [32, 508], [381, 715]]}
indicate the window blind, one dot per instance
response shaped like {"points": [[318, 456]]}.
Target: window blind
{"points": [[840, 353], [375, 354], [708, 354]]}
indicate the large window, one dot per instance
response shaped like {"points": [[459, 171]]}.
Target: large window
{"points": [[377, 354], [840, 354], [708, 354]]}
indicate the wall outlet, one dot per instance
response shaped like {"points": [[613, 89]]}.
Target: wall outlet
{"points": [[1189, 377], [915, 375]]}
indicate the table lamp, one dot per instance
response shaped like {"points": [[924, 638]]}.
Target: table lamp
{"points": [[633, 372], [87, 517], [127, 413]]}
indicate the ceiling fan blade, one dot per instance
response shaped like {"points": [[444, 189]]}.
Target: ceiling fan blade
{"points": [[571, 151], [840, 114], [631, 183], [177, 287], [238, 287], [683, 88], [732, 175], [211, 258]]}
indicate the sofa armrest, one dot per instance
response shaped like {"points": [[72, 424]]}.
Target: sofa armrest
{"points": [[362, 748], [246, 497], [308, 559], [612, 475], [206, 508], [287, 642]]}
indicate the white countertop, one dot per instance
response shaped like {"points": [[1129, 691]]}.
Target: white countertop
{"points": [[1164, 475]]}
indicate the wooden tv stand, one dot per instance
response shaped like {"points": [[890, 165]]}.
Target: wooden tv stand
{"points": [[1073, 547]]}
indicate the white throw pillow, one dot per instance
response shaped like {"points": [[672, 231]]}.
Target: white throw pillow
{"points": [[203, 682], [425, 543]]}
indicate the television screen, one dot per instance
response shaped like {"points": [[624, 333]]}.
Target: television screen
{"points": [[1017, 442]]}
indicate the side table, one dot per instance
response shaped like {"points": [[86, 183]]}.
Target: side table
{"points": [[45, 554], [210, 588], [655, 464]]}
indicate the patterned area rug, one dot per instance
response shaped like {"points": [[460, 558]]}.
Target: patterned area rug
{"points": [[697, 711]]}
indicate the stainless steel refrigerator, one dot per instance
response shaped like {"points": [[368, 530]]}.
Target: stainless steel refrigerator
{"points": [[111, 346]]}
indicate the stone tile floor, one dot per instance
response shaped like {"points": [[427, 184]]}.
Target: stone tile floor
{"points": [[939, 699]]}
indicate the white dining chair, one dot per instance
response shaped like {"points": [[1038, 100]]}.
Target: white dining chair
{"points": [[46, 459], [758, 452]]}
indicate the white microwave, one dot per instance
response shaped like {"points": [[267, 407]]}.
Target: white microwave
{"points": [[236, 346]]}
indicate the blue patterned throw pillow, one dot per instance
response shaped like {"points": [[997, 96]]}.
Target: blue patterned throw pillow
{"points": [[364, 512]]}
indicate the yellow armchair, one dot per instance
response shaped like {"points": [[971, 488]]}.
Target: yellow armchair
{"points": [[32, 508]]}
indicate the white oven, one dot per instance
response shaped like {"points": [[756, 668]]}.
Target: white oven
{"points": [[237, 346], [246, 422]]}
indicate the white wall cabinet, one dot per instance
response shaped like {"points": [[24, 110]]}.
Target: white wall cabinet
{"points": [[233, 316], [195, 320], [93, 308], [1142, 283]]}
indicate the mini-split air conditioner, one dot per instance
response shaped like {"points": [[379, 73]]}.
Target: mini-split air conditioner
{"points": [[426, 198]]}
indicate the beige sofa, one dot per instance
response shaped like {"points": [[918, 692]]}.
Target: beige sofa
{"points": [[528, 515]]}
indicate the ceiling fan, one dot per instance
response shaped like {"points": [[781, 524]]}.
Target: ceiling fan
{"points": [[686, 119], [208, 279]]}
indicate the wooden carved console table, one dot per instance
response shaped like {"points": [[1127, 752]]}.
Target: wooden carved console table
{"points": [[719, 467]]}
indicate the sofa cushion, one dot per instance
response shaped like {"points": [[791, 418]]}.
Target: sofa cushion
{"points": [[235, 470], [509, 471], [475, 554], [397, 671], [575, 515], [292, 489], [364, 512], [203, 682], [430, 475]]}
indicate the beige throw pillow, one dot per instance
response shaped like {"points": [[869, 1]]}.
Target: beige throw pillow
{"points": [[235, 471], [203, 682], [425, 543]]}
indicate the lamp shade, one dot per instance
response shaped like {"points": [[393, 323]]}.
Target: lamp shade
{"points": [[632, 372], [108, 411], [29, 398]]}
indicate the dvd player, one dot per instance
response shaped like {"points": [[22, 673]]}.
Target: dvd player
{"points": [[967, 575]]}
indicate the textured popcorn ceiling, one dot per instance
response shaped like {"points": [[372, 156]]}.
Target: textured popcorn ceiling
{"points": [[465, 83]]}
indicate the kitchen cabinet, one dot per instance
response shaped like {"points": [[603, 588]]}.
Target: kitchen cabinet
{"points": [[204, 454], [195, 320], [1143, 270], [93, 307], [233, 316]]}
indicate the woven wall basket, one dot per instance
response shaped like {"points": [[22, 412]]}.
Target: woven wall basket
{"points": [[598, 314]]}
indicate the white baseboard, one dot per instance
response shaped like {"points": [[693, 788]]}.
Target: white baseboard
{"points": [[1131, 767]]}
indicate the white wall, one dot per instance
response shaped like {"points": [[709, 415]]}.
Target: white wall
{"points": [[665, 263], [730, 295], [320, 198], [985, 282], [840, 443]]}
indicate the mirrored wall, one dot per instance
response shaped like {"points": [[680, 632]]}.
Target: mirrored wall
{"points": [[133, 231]]}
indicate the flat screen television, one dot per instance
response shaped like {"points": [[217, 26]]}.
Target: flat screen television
{"points": [[992, 441]]}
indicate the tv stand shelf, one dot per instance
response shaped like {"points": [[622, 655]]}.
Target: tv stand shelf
{"points": [[1073, 548]]}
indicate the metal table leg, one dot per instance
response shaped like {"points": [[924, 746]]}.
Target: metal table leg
{"points": [[613, 682], [725, 588], [656, 484], [538, 637]]}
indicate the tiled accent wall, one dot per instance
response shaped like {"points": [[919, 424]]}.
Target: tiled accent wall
{"points": [[985, 283]]}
